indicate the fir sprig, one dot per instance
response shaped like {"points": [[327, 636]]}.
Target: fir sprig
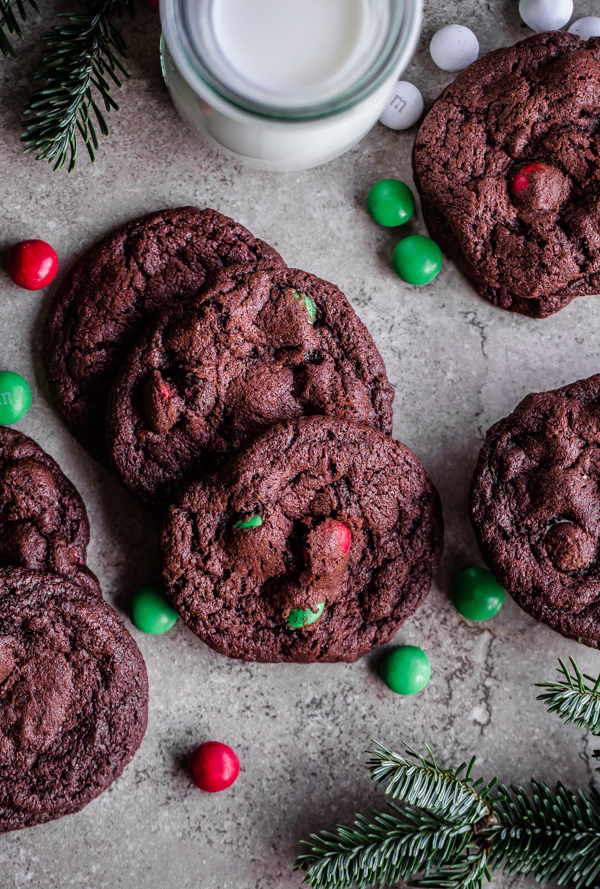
{"points": [[551, 836], [79, 66], [384, 849], [451, 831], [572, 699], [419, 781], [434, 834], [10, 23]]}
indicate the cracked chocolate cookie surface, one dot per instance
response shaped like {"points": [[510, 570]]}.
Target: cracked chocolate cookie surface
{"points": [[43, 520], [106, 299], [318, 520], [73, 697], [255, 349], [535, 507], [507, 163]]}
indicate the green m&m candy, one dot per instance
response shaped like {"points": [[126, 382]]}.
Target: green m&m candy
{"points": [[406, 669], [308, 304], [15, 397], [417, 259], [304, 617], [390, 202], [151, 611], [476, 594], [253, 521]]}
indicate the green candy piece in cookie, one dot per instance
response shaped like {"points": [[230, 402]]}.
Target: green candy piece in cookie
{"points": [[308, 305], [254, 521], [304, 617]]}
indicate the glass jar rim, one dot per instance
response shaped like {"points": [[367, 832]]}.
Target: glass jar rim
{"points": [[398, 46]]}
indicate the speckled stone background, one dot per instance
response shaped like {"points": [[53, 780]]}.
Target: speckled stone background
{"points": [[457, 365]]}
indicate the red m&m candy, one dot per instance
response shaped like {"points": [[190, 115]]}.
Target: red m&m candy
{"points": [[213, 766], [540, 188], [32, 264], [344, 536], [521, 180]]}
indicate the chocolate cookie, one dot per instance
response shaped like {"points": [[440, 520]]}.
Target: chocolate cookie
{"points": [[255, 349], [107, 298], [508, 166], [313, 544], [535, 507], [43, 520], [73, 697]]}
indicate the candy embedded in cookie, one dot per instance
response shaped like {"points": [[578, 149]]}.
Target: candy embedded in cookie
{"points": [[535, 507], [246, 524], [326, 554], [569, 548], [349, 536], [256, 348], [73, 697], [540, 188]]}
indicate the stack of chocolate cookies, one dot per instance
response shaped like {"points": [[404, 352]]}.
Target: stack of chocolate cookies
{"points": [[73, 684], [248, 402]]}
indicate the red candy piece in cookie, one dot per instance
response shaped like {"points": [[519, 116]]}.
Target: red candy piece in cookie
{"points": [[213, 766], [344, 536], [325, 553], [521, 180], [540, 188], [326, 546], [162, 409], [32, 264]]}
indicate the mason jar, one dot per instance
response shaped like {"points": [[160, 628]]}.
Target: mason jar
{"points": [[285, 85]]}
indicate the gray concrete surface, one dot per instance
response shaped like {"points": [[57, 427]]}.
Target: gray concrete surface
{"points": [[457, 365]]}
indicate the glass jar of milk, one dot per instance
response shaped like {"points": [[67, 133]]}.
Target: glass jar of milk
{"points": [[285, 84]]}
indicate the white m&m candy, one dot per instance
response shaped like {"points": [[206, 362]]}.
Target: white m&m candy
{"points": [[454, 47], [404, 108], [587, 27], [546, 15]]}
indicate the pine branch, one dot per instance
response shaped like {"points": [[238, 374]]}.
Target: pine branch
{"points": [[384, 849], [451, 832], [443, 792], [10, 20], [435, 834], [79, 67], [553, 837], [573, 700]]}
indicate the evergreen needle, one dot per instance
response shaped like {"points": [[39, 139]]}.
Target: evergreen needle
{"points": [[10, 23], [79, 66]]}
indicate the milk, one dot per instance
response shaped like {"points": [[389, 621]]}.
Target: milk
{"points": [[295, 47], [285, 84]]}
